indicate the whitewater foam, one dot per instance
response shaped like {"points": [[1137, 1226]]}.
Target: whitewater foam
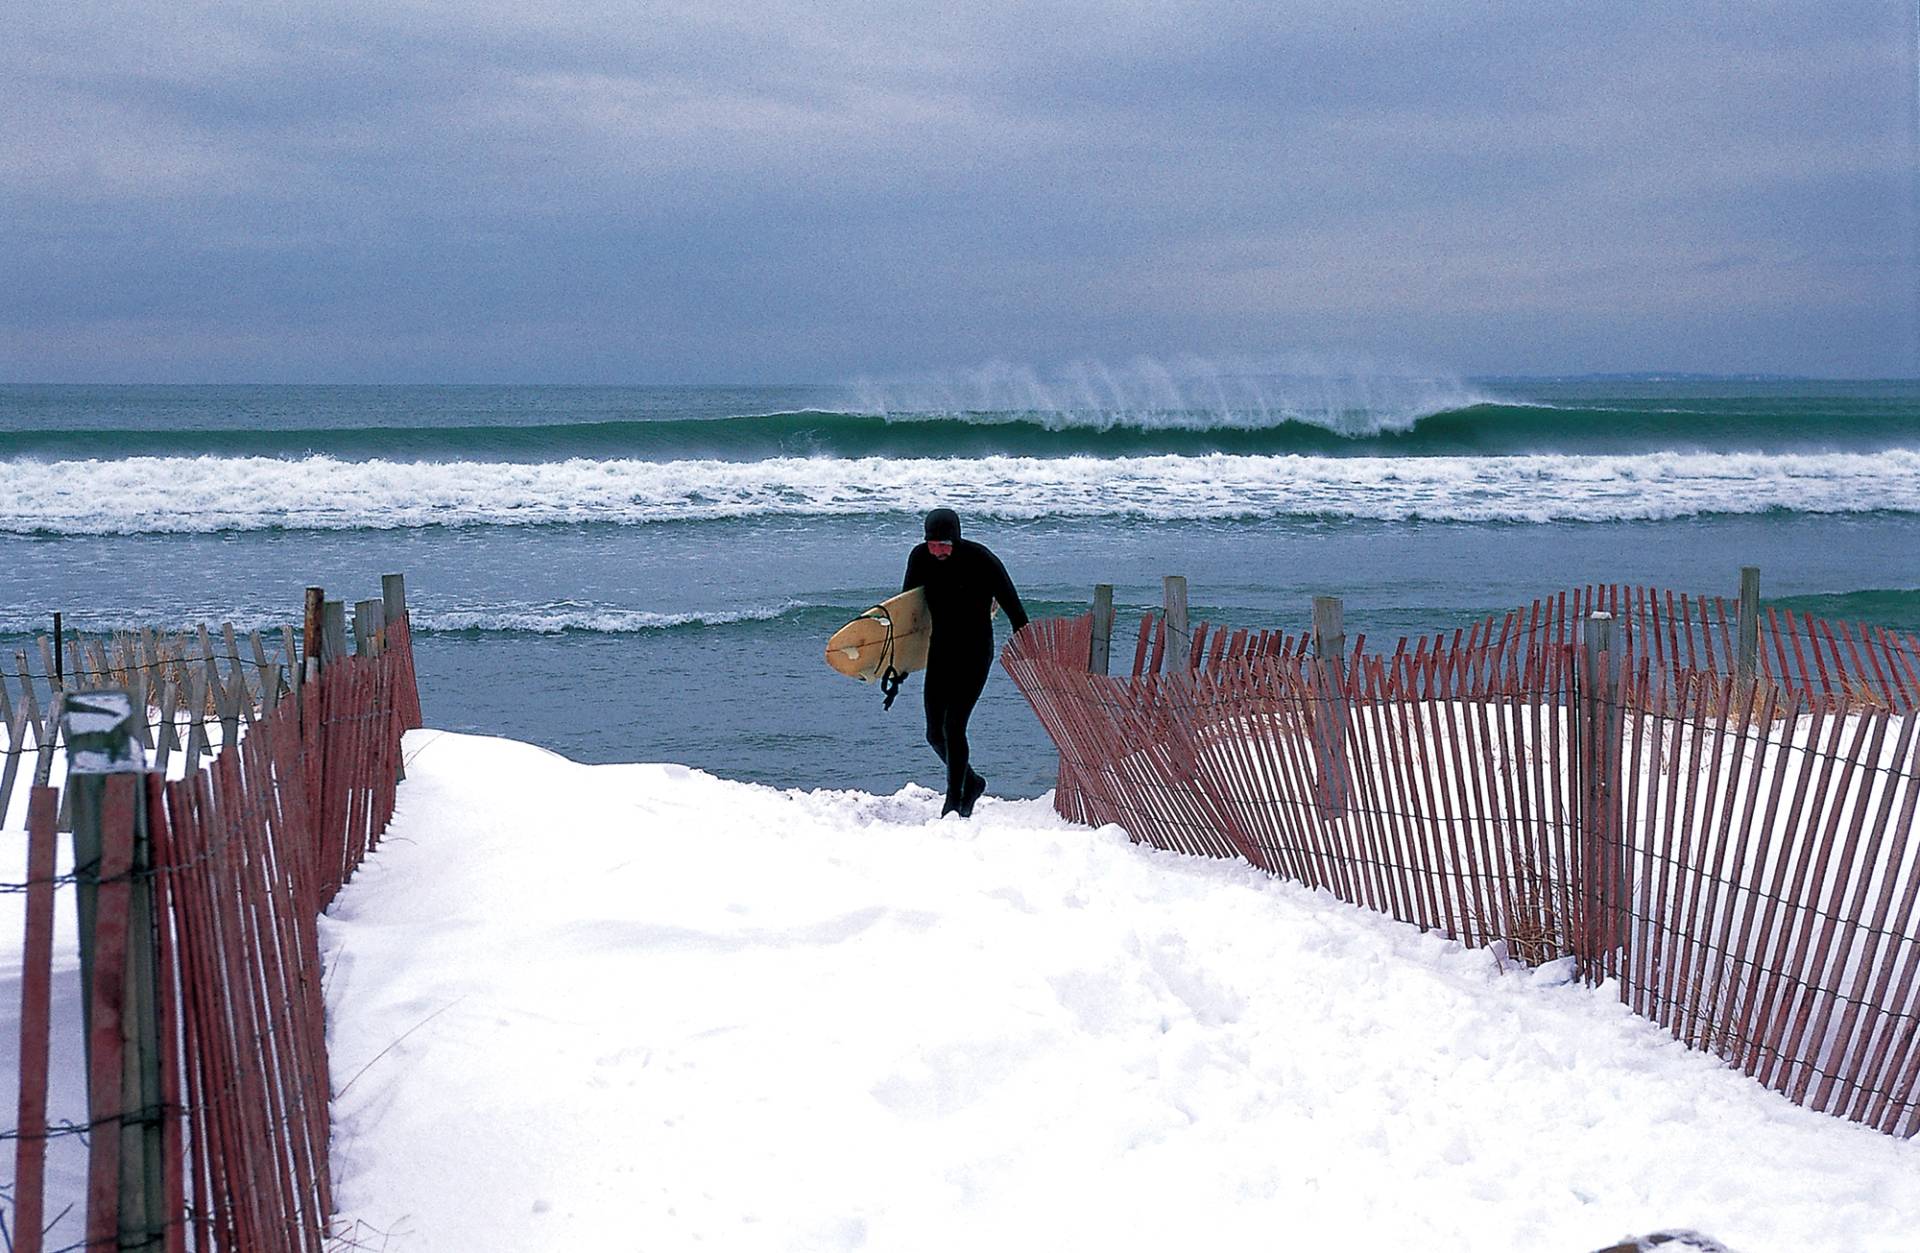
{"points": [[201, 495], [82, 622], [553, 618], [599, 620]]}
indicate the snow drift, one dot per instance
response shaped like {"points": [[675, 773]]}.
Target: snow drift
{"points": [[643, 1007]]}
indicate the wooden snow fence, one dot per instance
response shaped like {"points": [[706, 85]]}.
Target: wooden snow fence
{"points": [[1714, 808], [191, 685], [206, 1068]]}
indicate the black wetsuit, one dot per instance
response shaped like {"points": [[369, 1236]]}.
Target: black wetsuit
{"points": [[960, 590]]}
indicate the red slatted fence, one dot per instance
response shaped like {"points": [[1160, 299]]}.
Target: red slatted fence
{"points": [[1737, 850], [235, 864]]}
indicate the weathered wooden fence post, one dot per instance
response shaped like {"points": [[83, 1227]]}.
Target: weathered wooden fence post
{"points": [[393, 613], [393, 596], [310, 635], [1330, 714], [1329, 628], [313, 719], [1176, 681], [119, 972], [367, 622], [1100, 651], [1179, 633], [1603, 858], [333, 630], [1749, 655]]}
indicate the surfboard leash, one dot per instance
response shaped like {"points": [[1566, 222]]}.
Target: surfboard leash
{"points": [[890, 679]]}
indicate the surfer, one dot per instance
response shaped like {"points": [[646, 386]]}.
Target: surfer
{"points": [[962, 580]]}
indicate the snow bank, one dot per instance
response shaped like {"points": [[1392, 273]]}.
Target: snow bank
{"points": [[626, 1007]]}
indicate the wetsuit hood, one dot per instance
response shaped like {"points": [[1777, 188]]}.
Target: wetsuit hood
{"points": [[943, 525]]}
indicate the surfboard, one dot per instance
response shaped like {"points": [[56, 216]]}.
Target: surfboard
{"points": [[893, 633]]}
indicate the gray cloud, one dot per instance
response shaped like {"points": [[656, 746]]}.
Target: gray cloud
{"points": [[690, 191]]}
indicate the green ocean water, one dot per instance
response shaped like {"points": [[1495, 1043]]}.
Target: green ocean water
{"points": [[649, 573]]}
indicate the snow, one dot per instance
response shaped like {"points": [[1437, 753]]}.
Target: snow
{"points": [[640, 1007]]}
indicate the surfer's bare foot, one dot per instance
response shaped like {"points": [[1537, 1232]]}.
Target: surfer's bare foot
{"points": [[976, 788]]}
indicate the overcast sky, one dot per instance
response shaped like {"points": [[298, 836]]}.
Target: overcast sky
{"points": [[733, 191]]}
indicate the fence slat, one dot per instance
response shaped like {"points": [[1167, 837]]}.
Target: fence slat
{"points": [[36, 974], [16, 750]]}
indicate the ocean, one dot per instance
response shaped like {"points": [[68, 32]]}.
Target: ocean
{"points": [[649, 573]]}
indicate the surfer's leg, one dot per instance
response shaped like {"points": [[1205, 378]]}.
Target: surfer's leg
{"points": [[961, 779], [934, 689], [956, 735]]}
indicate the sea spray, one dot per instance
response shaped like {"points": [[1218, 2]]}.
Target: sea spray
{"points": [[1192, 393]]}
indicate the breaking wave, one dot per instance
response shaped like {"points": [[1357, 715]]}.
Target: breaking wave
{"points": [[142, 495], [1485, 428]]}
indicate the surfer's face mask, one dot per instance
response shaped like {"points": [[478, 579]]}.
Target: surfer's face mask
{"points": [[942, 549]]}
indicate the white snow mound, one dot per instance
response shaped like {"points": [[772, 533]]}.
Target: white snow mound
{"points": [[640, 1007]]}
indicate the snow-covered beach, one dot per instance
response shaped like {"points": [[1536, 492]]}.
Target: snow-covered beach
{"points": [[643, 1007], [1447, 756]]}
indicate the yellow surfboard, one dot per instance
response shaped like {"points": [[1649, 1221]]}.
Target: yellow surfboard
{"points": [[893, 634]]}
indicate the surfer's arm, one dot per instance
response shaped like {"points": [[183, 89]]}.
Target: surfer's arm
{"points": [[913, 577], [1004, 592]]}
